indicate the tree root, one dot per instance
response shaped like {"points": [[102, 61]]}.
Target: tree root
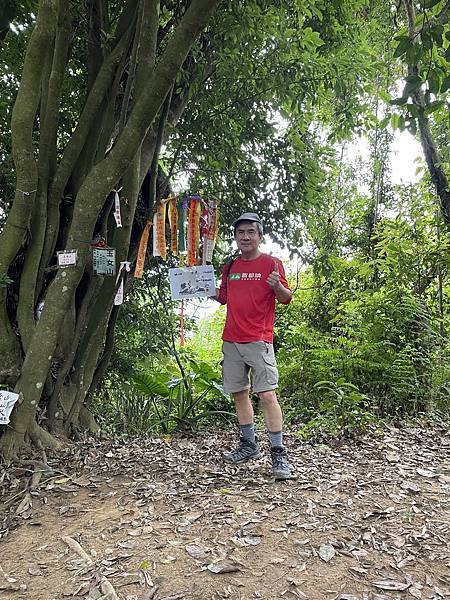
{"points": [[109, 592], [87, 421], [42, 439], [13, 442]]}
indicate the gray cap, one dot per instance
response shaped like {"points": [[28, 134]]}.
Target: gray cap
{"points": [[247, 217]]}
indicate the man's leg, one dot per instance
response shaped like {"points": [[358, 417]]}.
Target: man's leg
{"points": [[272, 411], [273, 417], [244, 408], [248, 447], [235, 377]]}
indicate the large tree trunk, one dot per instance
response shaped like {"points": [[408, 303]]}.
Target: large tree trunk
{"points": [[110, 145]]}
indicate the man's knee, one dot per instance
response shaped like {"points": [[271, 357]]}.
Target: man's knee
{"points": [[268, 398], [242, 396]]}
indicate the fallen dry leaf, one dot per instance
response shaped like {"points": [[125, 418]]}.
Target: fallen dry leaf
{"points": [[223, 567], [390, 584], [327, 552], [197, 551]]}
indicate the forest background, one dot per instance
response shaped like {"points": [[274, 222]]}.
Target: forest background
{"points": [[253, 103]]}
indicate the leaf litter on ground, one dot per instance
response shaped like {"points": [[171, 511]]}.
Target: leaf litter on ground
{"points": [[355, 520]]}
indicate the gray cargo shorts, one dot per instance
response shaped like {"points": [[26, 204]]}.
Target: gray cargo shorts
{"points": [[239, 360]]}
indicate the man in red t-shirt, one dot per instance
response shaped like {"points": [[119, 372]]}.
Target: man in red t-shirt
{"points": [[250, 285]]}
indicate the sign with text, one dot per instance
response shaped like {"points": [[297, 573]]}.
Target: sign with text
{"points": [[67, 258], [193, 282], [104, 261], [7, 401]]}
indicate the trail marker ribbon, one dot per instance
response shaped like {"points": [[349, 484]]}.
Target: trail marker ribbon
{"points": [[118, 299]]}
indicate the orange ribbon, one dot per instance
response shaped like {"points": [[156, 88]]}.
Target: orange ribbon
{"points": [[173, 222], [139, 269], [193, 232], [161, 231]]}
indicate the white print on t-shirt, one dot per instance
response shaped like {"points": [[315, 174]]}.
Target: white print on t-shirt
{"points": [[252, 276]]}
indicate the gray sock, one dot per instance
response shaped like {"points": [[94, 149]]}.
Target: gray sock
{"points": [[248, 432], [276, 438]]}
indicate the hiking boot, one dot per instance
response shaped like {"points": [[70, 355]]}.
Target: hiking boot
{"points": [[245, 451], [280, 466]]}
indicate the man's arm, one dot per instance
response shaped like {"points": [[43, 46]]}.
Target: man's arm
{"points": [[282, 294], [277, 281], [221, 293]]}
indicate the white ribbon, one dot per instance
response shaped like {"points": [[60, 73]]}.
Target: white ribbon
{"points": [[118, 299], [117, 216]]}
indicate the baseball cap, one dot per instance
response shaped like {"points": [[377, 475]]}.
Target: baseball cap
{"points": [[248, 216]]}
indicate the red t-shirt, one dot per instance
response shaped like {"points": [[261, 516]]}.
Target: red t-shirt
{"points": [[250, 300]]}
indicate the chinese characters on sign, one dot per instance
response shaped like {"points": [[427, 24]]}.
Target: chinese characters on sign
{"points": [[194, 282], [7, 401], [117, 216], [67, 258], [104, 261]]}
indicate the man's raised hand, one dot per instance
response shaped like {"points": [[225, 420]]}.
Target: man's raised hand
{"points": [[274, 278]]}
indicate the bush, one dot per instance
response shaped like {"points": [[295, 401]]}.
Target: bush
{"points": [[157, 402]]}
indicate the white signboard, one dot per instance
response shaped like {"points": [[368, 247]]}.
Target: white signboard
{"points": [[7, 401], [67, 258], [192, 282]]}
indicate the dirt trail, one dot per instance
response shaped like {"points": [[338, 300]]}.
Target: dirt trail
{"points": [[167, 520]]}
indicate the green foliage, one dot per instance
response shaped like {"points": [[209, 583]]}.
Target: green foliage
{"points": [[283, 73], [157, 402], [4, 280], [206, 341], [343, 410], [361, 341], [427, 54]]}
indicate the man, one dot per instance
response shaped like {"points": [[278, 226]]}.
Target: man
{"points": [[250, 285]]}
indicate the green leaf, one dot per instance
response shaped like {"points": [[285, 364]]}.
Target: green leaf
{"points": [[433, 106], [394, 121], [429, 3], [412, 126], [445, 85], [426, 39], [412, 85], [384, 122], [434, 81], [437, 34], [385, 96], [399, 101], [403, 45], [413, 110], [150, 386], [204, 370], [414, 54], [401, 123], [4, 280]]}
